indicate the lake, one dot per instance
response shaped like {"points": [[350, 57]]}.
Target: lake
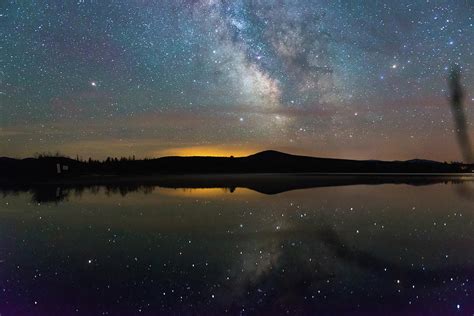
{"points": [[357, 249]]}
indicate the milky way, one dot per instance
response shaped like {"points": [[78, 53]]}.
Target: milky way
{"points": [[329, 78]]}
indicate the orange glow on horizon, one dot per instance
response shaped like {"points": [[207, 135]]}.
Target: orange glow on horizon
{"points": [[207, 151]]}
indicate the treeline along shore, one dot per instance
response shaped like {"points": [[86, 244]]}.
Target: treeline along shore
{"points": [[57, 167]]}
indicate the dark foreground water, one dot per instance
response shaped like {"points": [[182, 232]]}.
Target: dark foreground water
{"points": [[387, 249]]}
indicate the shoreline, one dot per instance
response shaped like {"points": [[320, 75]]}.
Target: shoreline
{"points": [[224, 176]]}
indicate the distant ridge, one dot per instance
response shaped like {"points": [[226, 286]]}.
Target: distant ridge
{"points": [[272, 153], [268, 161], [422, 161]]}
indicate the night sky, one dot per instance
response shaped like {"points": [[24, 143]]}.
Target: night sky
{"points": [[348, 79]]}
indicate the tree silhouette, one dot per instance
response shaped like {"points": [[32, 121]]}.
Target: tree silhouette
{"points": [[457, 107]]}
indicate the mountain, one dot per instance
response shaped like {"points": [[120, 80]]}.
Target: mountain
{"points": [[269, 161]]}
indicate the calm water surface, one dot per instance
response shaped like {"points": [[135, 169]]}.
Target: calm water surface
{"points": [[390, 249]]}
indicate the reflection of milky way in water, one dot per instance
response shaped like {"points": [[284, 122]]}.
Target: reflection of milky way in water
{"points": [[349, 250]]}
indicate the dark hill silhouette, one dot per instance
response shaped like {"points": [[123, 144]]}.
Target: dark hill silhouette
{"points": [[263, 162], [272, 154]]}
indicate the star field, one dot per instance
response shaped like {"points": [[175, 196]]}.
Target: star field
{"points": [[151, 78]]}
